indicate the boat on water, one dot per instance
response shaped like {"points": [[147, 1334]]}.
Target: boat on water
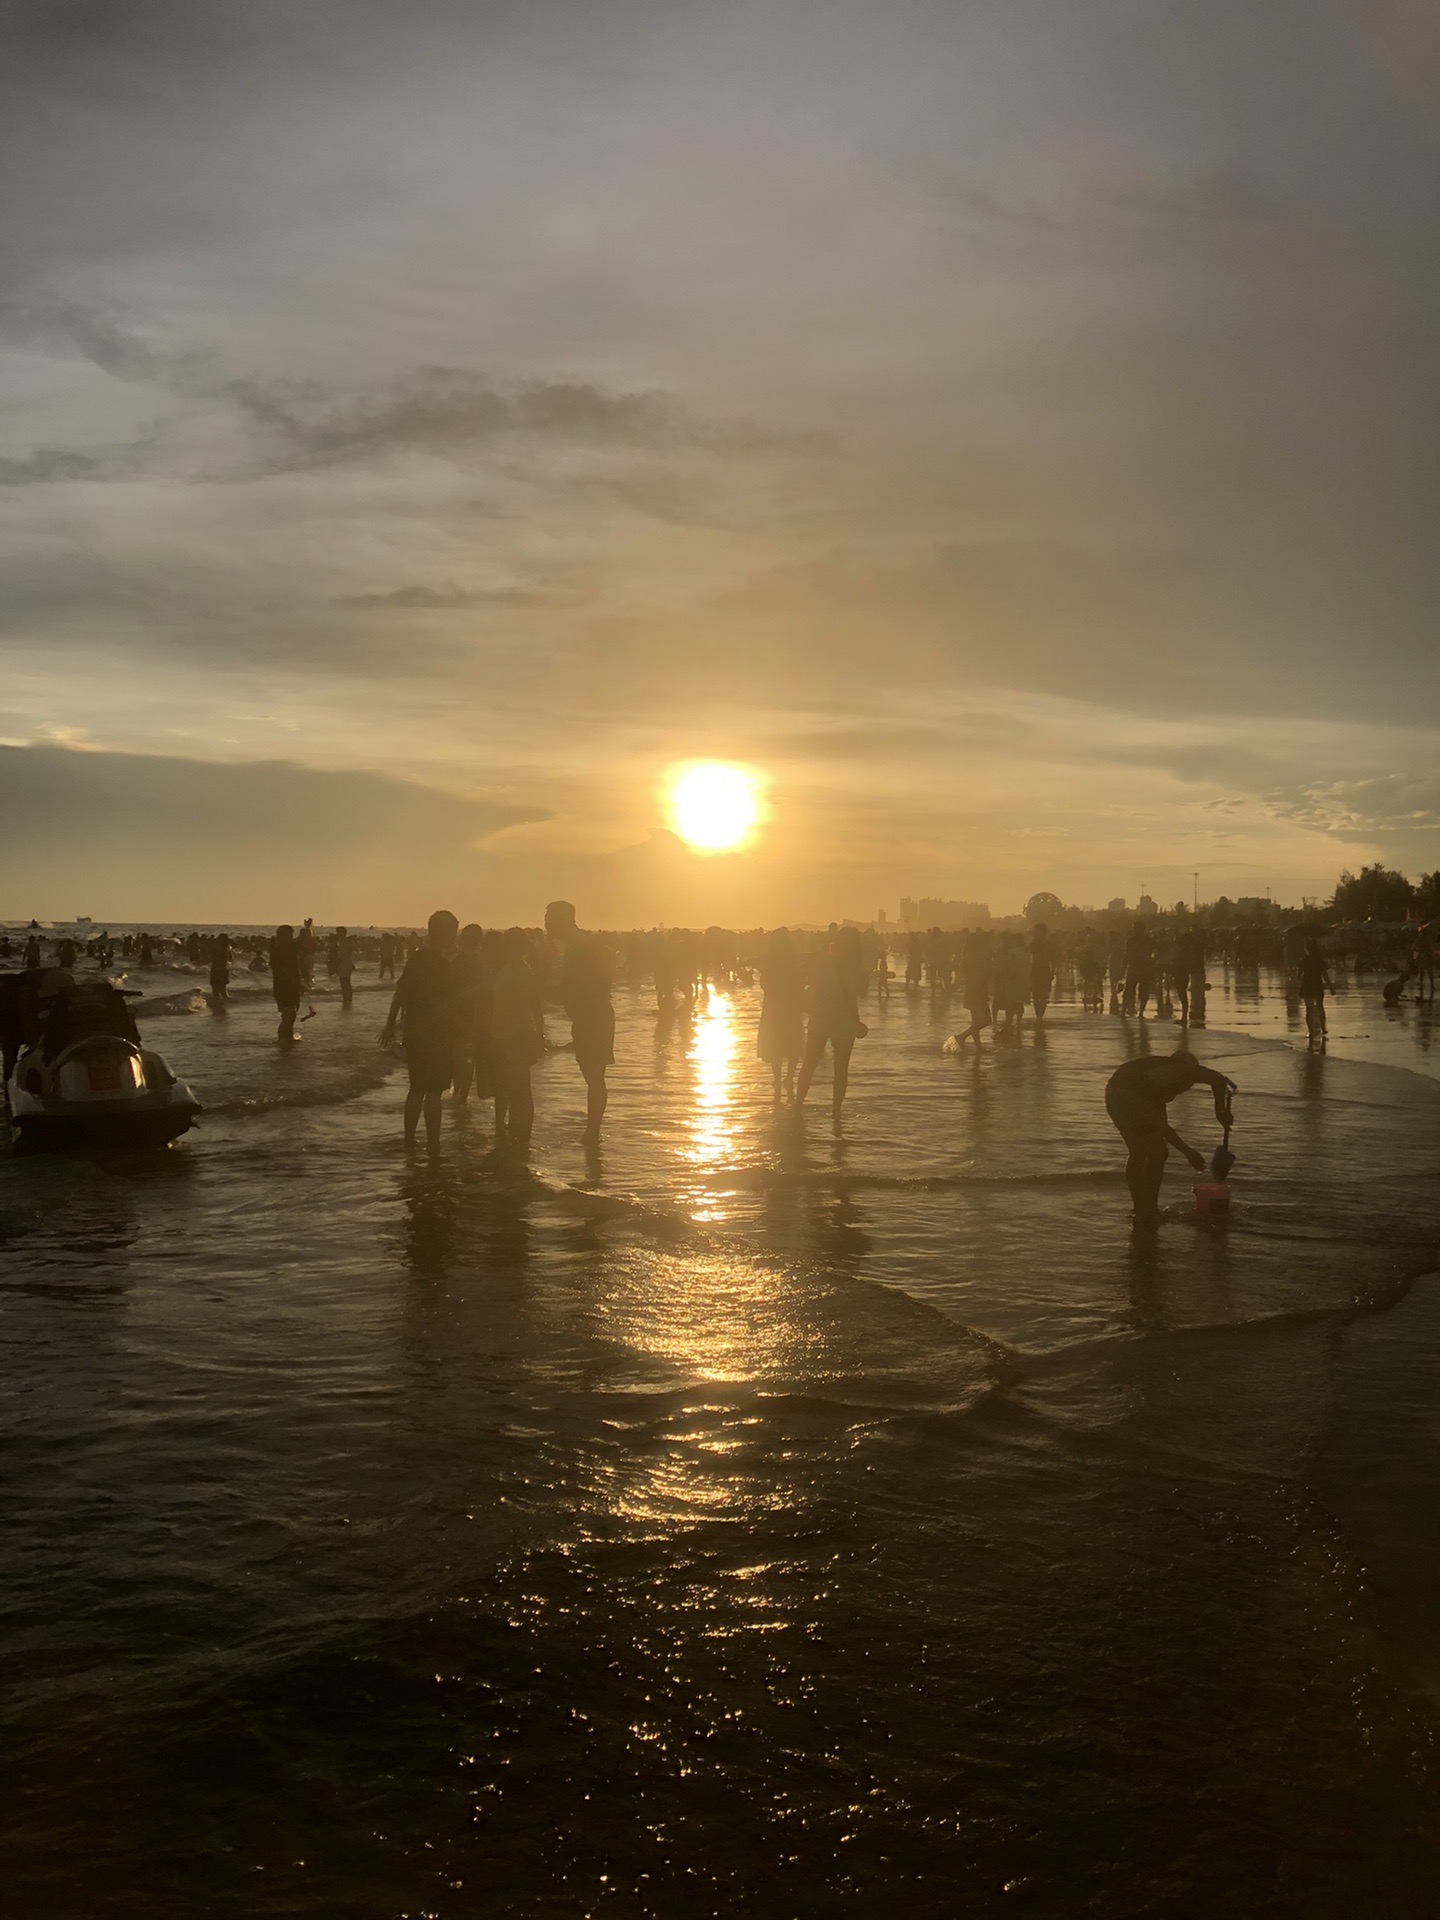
{"points": [[82, 1078]]}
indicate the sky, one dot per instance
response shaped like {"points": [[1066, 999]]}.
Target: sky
{"points": [[1010, 427]]}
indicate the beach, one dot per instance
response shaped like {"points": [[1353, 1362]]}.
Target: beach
{"points": [[761, 1521]]}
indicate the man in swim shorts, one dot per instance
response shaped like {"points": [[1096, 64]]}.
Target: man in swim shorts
{"points": [[585, 995], [425, 995], [1136, 1097]]}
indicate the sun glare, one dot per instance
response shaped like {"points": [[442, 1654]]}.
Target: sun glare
{"points": [[714, 807]]}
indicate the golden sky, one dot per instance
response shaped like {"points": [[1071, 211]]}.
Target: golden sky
{"points": [[1008, 427]]}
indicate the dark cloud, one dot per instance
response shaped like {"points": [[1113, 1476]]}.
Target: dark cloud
{"points": [[443, 599], [210, 837], [451, 413], [53, 464]]}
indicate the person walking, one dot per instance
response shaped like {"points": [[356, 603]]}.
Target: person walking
{"points": [[977, 968], [835, 988]]}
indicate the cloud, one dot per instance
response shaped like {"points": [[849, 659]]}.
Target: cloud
{"points": [[451, 413], [141, 836], [443, 599], [1382, 803], [54, 466]]}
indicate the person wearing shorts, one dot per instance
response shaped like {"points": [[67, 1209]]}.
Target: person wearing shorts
{"points": [[425, 996], [1136, 1098]]}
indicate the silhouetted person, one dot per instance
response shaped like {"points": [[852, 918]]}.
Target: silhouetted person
{"points": [[914, 960], [1189, 955], [1393, 991], [220, 969], [781, 1039], [147, 950], [1136, 1097], [585, 995], [1090, 965], [517, 1030], [1042, 968], [472, 1006], [425, 996], [1115, 958], [305, 944], [1139, 969], [285, 982], [1314, 982], [1011, 982], [32, 955], [344, 949], [387, 956], [835, 987], [977, 968]]}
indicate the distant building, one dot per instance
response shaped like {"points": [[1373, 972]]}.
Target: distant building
{"points": [[1145, 906], [948, 914], [1117, 905]]}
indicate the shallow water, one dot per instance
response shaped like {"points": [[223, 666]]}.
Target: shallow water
{"points": [[756, 1521]]}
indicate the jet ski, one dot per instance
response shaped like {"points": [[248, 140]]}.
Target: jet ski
{"points": [[83, 1079]]}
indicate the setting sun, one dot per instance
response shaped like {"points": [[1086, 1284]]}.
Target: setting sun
{"points": [[714, 807]]}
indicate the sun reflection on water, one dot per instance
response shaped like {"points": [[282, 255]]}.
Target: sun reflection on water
{"points": [[712, 1126]]}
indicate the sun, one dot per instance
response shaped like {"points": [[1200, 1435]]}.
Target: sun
{"points": [[714, 806]]}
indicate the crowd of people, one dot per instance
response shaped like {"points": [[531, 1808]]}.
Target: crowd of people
{"points": [[469, 1003]]}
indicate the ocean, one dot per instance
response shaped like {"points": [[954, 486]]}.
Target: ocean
{"points": [[758, 1521]]}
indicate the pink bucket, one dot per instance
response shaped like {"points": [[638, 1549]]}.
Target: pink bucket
{"points": [[1212, 1198]]}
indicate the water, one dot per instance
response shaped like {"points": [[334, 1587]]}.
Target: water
{"points": [[754, 1523]]}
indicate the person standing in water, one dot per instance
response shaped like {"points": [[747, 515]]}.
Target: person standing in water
{"points": [[1042, 968], [517, 1038], [835, 988], [285, 982], [425, 996], [781, 1039], [387, 956], [305, 945], [220, 970], [1136, 1098], [585, 995], [1314, 982], [345, 965]]}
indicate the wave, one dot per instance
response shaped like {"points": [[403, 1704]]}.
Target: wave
{"points": [[191, 1000], [333, 1095]]}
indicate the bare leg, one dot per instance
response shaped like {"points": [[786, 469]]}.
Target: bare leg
{"points": [[1144, 1171], [814, 1053], [432, 1121], [842, 1050], [414, 1106], [520, 1110], [597, 1098]]}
